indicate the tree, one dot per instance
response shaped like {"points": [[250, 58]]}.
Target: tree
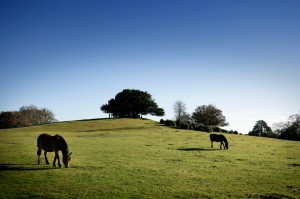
{"points": [[26, 116], [36, 116], [278, 127], [133, 104], [180, 111], [292, 128], [261, 129], [209, 115], [9, 119]]}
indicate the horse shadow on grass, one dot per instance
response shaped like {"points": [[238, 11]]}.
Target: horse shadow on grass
{"points": [[196, 149], [24, 167]]}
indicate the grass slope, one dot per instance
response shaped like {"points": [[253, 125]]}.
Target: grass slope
{"points": [[134, 158]]}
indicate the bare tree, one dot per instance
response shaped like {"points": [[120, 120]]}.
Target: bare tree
{"points": [[180, 111]]}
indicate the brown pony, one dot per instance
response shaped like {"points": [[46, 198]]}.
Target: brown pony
{"points": [[55, 144]]}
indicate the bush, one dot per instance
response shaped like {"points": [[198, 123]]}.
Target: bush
{"points": [[191, 126], [162, 121], [184, 125], [178, 123], [203, 128], [224, 131], [173, 124], [170, 123], [217, 129]]}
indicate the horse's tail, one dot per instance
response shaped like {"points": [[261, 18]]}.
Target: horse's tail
{"points": [[38, 144]]}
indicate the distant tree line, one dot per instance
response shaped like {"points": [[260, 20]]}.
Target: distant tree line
{"points": [[191, 125], [289, 130], [132, 103], [26, 116]]}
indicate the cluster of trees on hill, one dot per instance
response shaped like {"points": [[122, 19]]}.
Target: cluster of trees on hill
{"points": [[135, 103], [289, 130], [190, 125], [132, 103], [26, 116], [208, 115], [206, 118]]}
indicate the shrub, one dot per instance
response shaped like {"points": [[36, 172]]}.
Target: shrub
{"points": [[224, 131], [217, 129], [173, 124], [168, 122], [203, 128]]}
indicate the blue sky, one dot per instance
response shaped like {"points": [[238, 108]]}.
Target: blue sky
{"points": [[73, 56]]}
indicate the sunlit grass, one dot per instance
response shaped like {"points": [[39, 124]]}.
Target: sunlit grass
{"points": [[133, 158]]}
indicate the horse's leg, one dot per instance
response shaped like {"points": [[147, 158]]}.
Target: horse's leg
{"points": [[39, 152], [222, 144], [46, 159], [56, 157], [54, 160], [211, 144]]}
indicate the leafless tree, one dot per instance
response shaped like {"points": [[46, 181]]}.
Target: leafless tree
{"points": [[180, 111]]}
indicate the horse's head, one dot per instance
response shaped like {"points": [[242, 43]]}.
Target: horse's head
{"points": [[67, 159], [226, 145]]}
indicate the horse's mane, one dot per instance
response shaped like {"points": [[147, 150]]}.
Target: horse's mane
{"points": [[63, 144], [225, 140]]}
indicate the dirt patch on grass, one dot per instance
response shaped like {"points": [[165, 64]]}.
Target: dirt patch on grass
{"points": [[271, 196], [294, 164]]}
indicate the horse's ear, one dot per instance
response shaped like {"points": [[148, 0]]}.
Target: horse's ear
{"points": [[70, 153]]}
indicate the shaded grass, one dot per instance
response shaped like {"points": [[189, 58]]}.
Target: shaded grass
{"points": [[132, 158]]}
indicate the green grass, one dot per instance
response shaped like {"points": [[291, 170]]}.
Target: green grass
{"points": [[134, 158]]}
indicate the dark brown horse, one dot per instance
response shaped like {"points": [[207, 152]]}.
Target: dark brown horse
{"points": [[219, 138], [55, 144]]}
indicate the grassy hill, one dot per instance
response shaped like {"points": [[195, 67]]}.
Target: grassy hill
{"points": [[135, 158]]}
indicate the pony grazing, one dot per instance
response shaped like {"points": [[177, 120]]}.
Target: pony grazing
{"points": [[55, 144], [219, 138]]}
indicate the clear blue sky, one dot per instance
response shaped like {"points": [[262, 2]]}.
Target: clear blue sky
{"points": [[73, 56]]}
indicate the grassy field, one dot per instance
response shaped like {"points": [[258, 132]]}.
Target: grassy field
{"points": [[134, 158]]}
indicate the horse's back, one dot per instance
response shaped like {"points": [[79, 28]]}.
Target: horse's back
{"points": [[217, 137], [47, 142]]}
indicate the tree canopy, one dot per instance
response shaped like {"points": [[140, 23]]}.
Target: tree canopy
{"points": [[209, 115], [261, 128], [132, 103], [291, 129]]}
